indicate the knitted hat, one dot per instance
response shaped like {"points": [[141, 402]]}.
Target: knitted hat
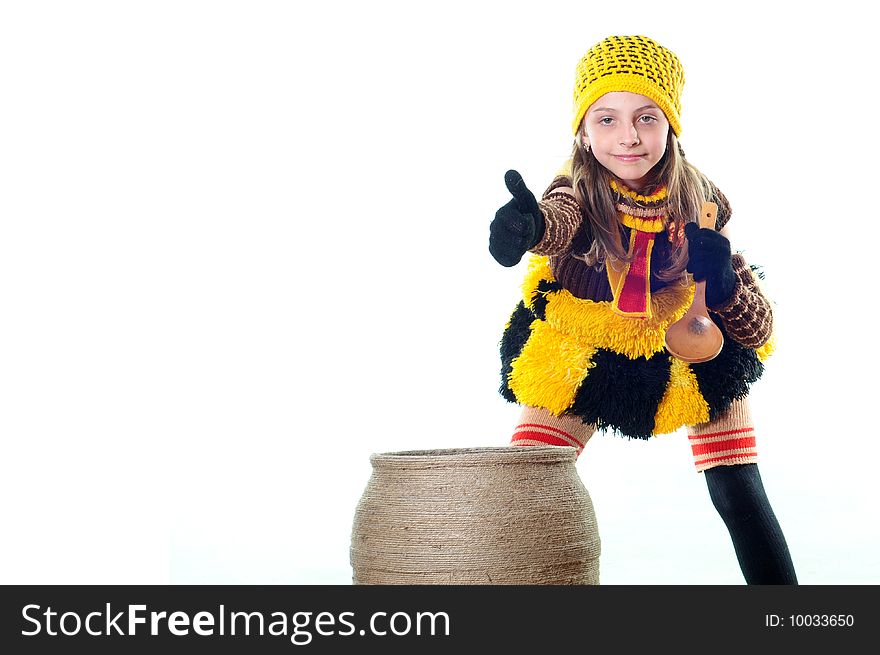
{"points": [[630, 63]]}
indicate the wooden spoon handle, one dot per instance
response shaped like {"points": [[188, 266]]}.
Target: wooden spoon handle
{"points": [[708, 216], [698, 306]]}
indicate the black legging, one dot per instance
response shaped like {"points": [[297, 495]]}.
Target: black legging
{"points": [[739, 497]]}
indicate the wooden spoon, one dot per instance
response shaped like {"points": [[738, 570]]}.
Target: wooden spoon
{"points": [[695, 337]]}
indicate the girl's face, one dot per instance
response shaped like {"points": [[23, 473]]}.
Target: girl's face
{"points": [[627, 133]]}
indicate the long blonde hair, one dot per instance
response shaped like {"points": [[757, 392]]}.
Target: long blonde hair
{"points": [[686, 187]]}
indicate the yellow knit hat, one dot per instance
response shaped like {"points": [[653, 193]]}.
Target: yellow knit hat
{"points": [[630, 63]]}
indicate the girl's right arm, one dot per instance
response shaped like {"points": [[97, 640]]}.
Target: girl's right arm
{"points": [[562, 217], [524, 224]]}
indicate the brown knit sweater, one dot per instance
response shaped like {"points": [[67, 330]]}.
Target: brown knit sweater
{"points": [[747, 316]]}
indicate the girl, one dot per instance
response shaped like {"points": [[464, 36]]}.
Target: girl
{"points": [[616, 245]]}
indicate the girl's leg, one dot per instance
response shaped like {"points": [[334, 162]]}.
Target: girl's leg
{"points": [[739, 497], [724, 450], [538, 427]]}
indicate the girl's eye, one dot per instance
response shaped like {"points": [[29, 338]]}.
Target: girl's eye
{"points": [[609, 119]]}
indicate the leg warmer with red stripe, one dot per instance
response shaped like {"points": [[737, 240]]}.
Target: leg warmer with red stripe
{"points": [[538, 427], [729, 439]]}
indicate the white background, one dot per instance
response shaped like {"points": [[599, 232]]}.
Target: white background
{"points": [[243, 247]]}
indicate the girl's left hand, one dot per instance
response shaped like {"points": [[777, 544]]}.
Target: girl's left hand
{"points": [[709, 259]]}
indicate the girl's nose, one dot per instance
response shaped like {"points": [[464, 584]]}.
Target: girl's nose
{"points": [[630, 136]]}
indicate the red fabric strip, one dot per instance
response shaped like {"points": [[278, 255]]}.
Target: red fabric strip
{"points": [[543, 437], [727, 444], [633, 296], [751, 454], [548, 427]]}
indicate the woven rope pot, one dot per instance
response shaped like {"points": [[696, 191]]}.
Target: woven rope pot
{"points": [[506, 515]]}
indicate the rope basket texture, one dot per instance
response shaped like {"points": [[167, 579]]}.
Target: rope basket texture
{"points": [[496, 515]]}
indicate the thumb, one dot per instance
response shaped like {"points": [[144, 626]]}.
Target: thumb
{"points": [[690, 229], [525, 199]]}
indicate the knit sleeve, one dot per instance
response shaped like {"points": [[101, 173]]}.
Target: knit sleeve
{"points": [[747, 316], [562, 217]]}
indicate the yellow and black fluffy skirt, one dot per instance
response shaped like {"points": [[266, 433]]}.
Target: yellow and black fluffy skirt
{"points": [[577, 357]]}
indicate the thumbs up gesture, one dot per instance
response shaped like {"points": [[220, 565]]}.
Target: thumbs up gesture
{"points": [[518, 225]]}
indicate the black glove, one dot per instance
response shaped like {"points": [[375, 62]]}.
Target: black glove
{"points": [[518, 225], [709, 259]]}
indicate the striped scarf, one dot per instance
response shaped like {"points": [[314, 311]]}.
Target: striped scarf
{"points": [[631, 281]]}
